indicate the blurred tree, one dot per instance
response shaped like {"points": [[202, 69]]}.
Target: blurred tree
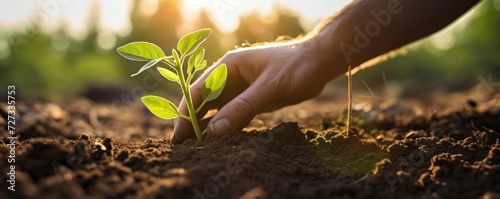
{"points": [[280, 22], [160, 28], [472, 52], [54, 64], [213, 43]]}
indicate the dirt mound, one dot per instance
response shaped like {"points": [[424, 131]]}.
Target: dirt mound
{"points": [[88, 150]]}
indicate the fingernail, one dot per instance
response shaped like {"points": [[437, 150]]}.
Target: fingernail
{"points": [[173, 137], [220, 126]]}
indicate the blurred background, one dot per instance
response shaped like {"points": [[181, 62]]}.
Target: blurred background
{"points": [[56, 49]]}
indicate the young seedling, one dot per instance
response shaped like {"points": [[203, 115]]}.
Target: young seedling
{"points": [[349, 100], [188, 46]]}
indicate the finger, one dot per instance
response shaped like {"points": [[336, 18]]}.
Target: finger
{"points": [[183, 128], [241, 110], [234, 86], [186, 131]]}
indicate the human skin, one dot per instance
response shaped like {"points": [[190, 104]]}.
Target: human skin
{"points": [[271, 76]]}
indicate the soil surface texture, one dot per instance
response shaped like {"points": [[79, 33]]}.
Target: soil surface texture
{"points": [[396, 149]]}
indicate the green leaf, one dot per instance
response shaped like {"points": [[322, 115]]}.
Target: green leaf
{"points": [[168, 74], [214, 84], [169, 61], [141, 51], [147, 66], [201, 66], [195, 59], [160, 107], [176, 56], [190, 42]]}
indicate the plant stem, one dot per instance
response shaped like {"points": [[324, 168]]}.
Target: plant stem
{"points": [[192, 113], [201, 106], [349, 100], [189, 101]]}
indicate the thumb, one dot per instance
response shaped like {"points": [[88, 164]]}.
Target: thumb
{"points": [[238, 112]]}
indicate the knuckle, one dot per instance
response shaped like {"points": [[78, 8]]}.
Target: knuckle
{"points": [[229, 58], [243, 105], [311, 93], [195, 90]]}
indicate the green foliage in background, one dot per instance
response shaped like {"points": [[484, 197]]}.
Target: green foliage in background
{"points": [[38, 69], [36, 62], [473, 53]]}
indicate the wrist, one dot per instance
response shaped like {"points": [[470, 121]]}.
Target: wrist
{"points": [[325, 53]]}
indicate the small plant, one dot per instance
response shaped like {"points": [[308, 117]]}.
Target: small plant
{"points": [[349, 100], [188, 46]]}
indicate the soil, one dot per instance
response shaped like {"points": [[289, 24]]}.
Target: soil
{"points": [[396, 149]]}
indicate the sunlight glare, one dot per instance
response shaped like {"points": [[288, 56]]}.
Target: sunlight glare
{"points": [[12, 11], [115, 16], [148, 7], [106, 41], [74, 16], [226, 13]]}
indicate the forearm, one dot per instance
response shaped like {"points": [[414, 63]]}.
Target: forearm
{"points": [[366, 29]]}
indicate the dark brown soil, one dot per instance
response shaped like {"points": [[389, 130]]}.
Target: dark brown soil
{"points": [[397, 149]]}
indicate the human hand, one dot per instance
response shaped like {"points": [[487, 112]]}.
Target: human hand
{"points": [[260, 79]]}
